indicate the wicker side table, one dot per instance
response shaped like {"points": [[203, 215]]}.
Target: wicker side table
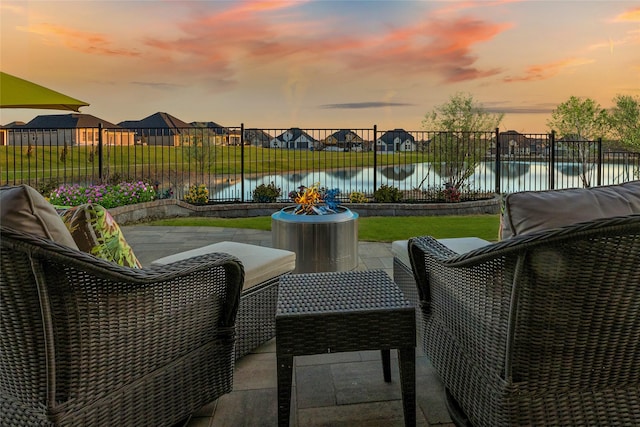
{"points": [[344, 311]]}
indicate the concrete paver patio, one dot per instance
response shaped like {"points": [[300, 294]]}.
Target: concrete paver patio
{"points": [[342, 389]]}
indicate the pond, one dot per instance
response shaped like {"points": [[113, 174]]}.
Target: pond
{"points": [[514, 176]]}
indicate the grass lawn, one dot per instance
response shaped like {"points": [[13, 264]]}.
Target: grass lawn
{"points": [[377, 228]]}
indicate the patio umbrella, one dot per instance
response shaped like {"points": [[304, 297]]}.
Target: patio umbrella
{"points": [[19, 93]]}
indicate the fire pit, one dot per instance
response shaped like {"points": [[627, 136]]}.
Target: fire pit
{"points": [[324, 237], [321, 242]]}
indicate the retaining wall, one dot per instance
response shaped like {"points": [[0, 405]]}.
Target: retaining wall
{"points": [[172, 208]]}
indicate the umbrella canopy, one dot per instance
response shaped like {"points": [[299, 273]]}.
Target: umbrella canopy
{"points": [[19, 93]]}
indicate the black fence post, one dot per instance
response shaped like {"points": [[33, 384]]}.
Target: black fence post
{"points": [[599, 172], [375, 158], [552, 160], [498, 168], [100, 165], [242, 162]]}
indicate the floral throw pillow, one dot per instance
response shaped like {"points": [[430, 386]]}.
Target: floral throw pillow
{"points": [[95, 231]]}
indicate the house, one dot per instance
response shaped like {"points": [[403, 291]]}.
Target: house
{"points": [[396, 140], [344, 140], [5, 129], [257, 137], [574, 144], [216, 134], [514, 144], [161, 129], [68, 129], [294, 138]]}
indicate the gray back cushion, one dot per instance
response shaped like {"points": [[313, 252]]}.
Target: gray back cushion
{"points": [[530, 211], [24, 209]]}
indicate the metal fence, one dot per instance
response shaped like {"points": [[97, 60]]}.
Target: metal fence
{"points": [[232, 162]]}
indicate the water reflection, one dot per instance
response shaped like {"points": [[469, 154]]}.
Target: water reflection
{"points": [[514, 176], [513, 169], [398, 173], [297, 176], [343, 174], [573, 169]]}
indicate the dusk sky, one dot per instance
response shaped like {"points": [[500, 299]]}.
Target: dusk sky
{"points": [[321, 64]]}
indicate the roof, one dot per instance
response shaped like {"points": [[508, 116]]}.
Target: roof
{"points": [[296, 134], [15, 124], [512, 135], [346, 135], [573, 138], [155, 121], [218, 129], [390, 135], [64, 121], [206, 125], [254, 134]]}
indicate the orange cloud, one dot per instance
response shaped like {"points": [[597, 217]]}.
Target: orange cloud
{"points": [[15, 8], [632, 15], [546, 71], [81, 41]]}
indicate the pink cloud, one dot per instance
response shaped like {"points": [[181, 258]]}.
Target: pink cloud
{"points": [[243, 32], [214, 41], [441, 46], [457, 6]]}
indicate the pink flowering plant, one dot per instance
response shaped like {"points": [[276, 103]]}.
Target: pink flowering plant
{"points": [[108, 196], [451, 194]]}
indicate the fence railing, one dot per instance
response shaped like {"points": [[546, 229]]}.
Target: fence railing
{"points": [[233, 162]]}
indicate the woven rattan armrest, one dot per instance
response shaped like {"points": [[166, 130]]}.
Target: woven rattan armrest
{"points": [[537, 324], [107, 328]]}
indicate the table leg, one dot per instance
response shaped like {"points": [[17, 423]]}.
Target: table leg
{"points": [[386, 364], [407, 364], [285, 377]]}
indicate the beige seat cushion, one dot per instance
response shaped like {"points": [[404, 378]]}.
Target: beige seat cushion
{"points": [[530, 211], [260, 263], [24, 209], [459, 245]]}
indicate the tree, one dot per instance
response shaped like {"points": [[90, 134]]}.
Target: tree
{"points": [[580, 121], [624, 119], [201, 149], [459, 146]]}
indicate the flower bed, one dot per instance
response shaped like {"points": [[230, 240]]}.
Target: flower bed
{"points": [[108, 196]]}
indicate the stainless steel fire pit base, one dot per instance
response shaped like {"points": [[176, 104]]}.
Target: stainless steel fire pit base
{"points": [[321, 242]]}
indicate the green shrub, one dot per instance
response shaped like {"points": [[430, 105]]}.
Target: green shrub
{"points": [[387, 194], [266, 193], [358, 197], [47, 186]]}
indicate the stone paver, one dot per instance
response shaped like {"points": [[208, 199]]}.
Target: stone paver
{"points": [[341, 389]]}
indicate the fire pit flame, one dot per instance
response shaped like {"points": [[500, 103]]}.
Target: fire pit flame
{"points": [[309, 200]]}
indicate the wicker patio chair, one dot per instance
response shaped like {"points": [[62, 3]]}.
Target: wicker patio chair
{"points": [[86, 342], [539, 329]]}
